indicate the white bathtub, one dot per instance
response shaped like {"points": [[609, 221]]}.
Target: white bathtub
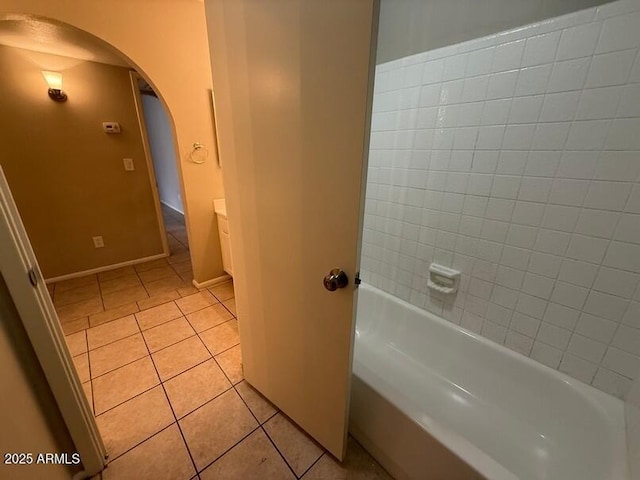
{"points": [[432, 400]]}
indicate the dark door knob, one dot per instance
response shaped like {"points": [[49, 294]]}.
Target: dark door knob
{"points": [[336, 279]]}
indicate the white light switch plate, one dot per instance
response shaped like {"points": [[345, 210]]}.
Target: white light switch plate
{"points": [[128, 164]]}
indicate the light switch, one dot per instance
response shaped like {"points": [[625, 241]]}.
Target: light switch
{"points": [[128, 164]]}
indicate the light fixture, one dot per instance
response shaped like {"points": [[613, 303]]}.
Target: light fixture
{"points": [[54, 80]]}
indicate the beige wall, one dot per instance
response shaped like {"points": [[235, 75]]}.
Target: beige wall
{"points": [[413, 26], [65, 173], [29, 416], [166, 40]]}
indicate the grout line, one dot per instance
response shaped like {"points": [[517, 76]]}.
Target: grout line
{"points": [[324, 453], [279, 452]]}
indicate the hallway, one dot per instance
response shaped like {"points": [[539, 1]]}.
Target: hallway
{"points": [[160, 365]]}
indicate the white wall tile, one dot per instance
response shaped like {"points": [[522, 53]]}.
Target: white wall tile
{"points": [[546, 354], [569, 75], [578, 41], [610, 68], [515, 160], [534, 80], [559, 107], [508, 56], [619, 33], [540, 49], [578, 272]]}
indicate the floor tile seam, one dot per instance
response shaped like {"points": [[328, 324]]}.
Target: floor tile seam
{"points": [[184, 440], [200, 406], [112, 342], [140, 442], [324, 452], [168, 379], [199, 309], [159, 324], [75, 302], [124, 401], [278, 450], [149, 308], [109, 321], [170, 344], [229, 449], [119, 367], [249, 408], [120, 289], [207, 329]]}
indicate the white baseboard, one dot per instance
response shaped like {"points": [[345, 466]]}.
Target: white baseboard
{"points": [[212, 282], [105, 268], [175, 209]]}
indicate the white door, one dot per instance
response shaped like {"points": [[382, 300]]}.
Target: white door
{"points": [[292, 80]]}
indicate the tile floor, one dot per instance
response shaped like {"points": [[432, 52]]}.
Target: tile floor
{"points": [[160, 365]]}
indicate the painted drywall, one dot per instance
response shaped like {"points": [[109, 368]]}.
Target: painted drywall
{"points": [[166, 41], [515, 159], [412, 26], [163, 153], [65, 173], [31, 421]]}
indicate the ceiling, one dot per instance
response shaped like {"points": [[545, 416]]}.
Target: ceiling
{"points": [[21, 31]]}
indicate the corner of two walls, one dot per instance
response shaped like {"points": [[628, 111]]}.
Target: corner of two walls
{"points": [[66, 174], [515, 158]]}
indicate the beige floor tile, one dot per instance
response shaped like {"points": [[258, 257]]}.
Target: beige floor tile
{"points": [[231, 306], [75, 295], [124, 383], [158, 299], [115, 273], [222, 337], [82, 367], [299, 450], [156, 273], [167, 334], [162, 457], [261, 408], [77, 343], [157, 315], [179, 258], [177, 358], [134, 421], [163, 285], [254, 458], [216, 426], [231, 363], [117, 354], [143, 267], [181, 267], [111, 331], [79, 310], [74, 326], [195, 302], [128, 295], [195, 387], [209, 317], [75, 283], [188, 290], [187, 276], [176, 248], [86, 386], [357, 465], [120, 283], [113, 314], [223, 291]]}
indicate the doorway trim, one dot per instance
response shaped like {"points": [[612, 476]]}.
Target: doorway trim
{"points": [[29, 293]]}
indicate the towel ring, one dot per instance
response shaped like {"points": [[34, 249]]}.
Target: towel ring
{"points": [[199, 153]]}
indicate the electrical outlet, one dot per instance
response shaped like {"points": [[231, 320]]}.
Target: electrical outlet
{"points": [[128, 164], [98, 242]]}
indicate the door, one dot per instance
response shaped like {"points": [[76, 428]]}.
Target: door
{"points": [[25, 283], [292, 81]]}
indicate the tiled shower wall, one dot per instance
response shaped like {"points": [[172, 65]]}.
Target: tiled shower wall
{"points": [[515, 159]]}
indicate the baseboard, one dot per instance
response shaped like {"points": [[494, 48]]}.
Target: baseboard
{"points": [[172, 207], [105, 268], [212, 282]]}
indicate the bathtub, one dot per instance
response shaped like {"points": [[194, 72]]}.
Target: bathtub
{"points": [[431, 400]]}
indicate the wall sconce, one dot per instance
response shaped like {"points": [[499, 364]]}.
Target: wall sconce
{"points": [[54, 80]]}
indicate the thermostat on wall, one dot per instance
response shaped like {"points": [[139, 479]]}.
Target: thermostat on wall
{"points": [[111, 127]]}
